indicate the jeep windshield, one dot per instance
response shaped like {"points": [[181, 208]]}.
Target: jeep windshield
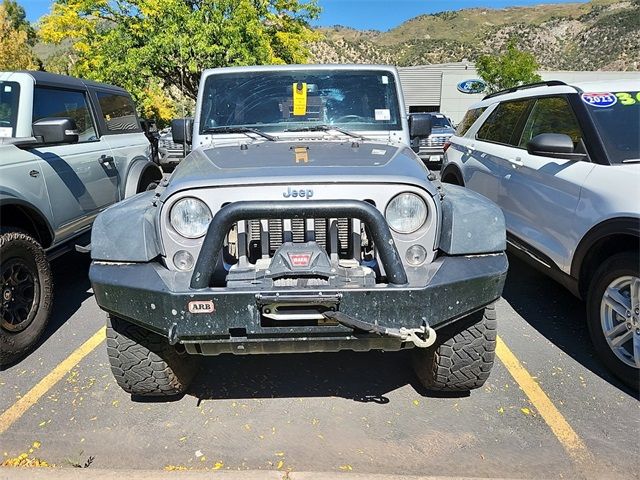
{"points": [[9, 97], [616, 116], [278, 101]]}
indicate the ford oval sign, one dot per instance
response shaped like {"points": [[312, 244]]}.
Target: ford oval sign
{"points": [[472, 86]]}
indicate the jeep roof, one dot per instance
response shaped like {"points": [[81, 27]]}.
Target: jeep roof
{"points": [[63, 81]]}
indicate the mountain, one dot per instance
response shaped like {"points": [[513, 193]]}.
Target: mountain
{"points": [[599, 35]]}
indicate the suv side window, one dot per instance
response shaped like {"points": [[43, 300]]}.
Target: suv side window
{"points": [[551, 115], [118, 112], [469, 119], [54, 102], [503, 121]]}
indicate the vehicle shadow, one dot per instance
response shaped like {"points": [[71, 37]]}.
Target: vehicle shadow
{"points": [[71, 287], [359, 376], [556, 314]]}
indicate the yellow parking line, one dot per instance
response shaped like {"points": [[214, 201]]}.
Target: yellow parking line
{"points": [[13, 413], [567, 436]]}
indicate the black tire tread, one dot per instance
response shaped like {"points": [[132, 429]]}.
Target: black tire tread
{"points": [[144, 363], [8, 352], [463, 355]]}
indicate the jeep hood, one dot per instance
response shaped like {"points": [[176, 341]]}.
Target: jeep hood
{"points": [[309, 161]]}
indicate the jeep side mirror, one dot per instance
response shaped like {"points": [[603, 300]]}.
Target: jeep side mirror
{"points": [[55, 130], [419, 125], [555, 145], [181, 130]]}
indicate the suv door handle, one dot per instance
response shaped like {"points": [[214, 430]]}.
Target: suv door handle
{"points": [[105, 159], [517, 162]]}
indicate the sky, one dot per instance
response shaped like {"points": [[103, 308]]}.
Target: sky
{"points": [[360, 14]]}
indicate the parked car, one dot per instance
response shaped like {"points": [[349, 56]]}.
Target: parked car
{"points": [[563, 163], [431, 148], [170, 153], [69, 148], [300, 222]]}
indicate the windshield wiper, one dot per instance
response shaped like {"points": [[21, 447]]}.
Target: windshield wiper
{"points": [[325, 128], [631, 160], [223, 129]]}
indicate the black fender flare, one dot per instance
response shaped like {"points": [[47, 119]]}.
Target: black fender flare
{"points": [[452, 169], [607, 228], [139, 167], [35, 215]]}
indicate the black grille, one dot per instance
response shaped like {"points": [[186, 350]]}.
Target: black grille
{"points": [[256, 239]]}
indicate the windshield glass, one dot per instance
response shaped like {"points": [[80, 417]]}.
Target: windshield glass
{"points": [[617, 118], [9, 95], [282, 100], [439, 121]]}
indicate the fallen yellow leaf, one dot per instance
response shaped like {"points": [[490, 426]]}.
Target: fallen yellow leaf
{"points": [[525, 410], [346, 468], [218, 465], [280, 464]]}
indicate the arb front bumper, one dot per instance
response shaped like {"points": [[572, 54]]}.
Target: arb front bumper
{"points": [[210, 320]]}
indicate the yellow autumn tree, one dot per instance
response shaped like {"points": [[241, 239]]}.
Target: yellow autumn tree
{"points": [[15, 50], [152, 47]]}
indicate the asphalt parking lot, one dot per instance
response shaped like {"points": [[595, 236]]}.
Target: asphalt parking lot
{"points": [[549, 409]]}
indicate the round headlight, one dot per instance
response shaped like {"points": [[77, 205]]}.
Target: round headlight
{"points": [[406, 213], [190, 217]]}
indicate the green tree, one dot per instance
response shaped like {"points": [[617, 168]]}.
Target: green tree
{"points": [[15, 49], [152, 47], [18, 19], [510, 69]]}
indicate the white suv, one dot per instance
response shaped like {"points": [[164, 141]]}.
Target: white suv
{"points": [[563, 163]]}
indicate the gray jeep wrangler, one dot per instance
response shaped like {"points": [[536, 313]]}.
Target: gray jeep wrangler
{"points": [[69, 148], [302, 221]]}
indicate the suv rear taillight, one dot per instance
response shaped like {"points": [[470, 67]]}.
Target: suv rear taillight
{"points": [[445, 146]]}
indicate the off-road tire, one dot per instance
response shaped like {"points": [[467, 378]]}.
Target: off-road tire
{"points": [[621, 264], [462, 356], [19, 246], [144, 363]]}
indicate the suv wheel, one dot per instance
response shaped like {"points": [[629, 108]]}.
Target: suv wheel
{"points": [[462, 357], [613, 314], [26, 289], [144, 364]]}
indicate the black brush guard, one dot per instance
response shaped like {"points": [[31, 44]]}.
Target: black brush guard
{"points": [[230, 214], [380, 317]]}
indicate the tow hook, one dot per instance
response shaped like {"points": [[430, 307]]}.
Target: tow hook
{"points": [[422, 337]]}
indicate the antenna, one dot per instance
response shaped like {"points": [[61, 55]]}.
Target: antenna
{"points": [[184, 123]]}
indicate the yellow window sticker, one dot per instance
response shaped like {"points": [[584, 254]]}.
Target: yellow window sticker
{"points": [[299, 98], [626, 98]]}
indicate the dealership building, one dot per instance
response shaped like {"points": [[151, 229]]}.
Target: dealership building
{"points": [[434, 88]]}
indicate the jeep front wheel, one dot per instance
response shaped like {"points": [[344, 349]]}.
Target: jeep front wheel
{"points": [[144, 363], [26, 289], [613, 316], [462, 356]]}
